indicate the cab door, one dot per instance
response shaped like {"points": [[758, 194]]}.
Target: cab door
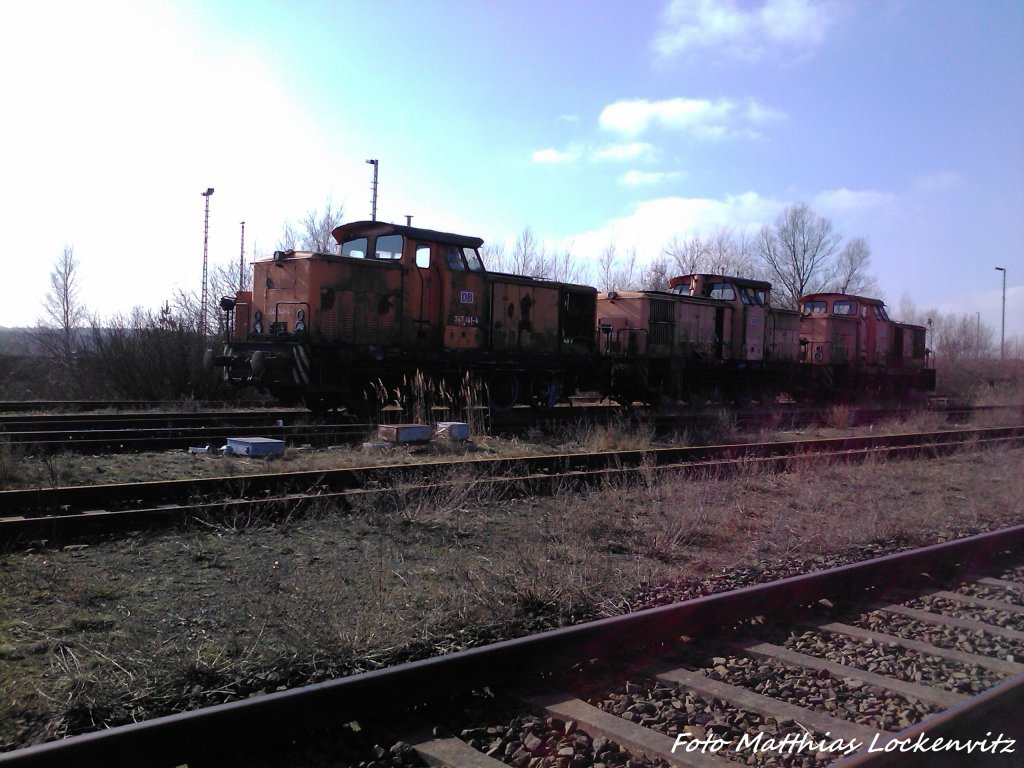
{"points": [[464, 300], [425, 297]]}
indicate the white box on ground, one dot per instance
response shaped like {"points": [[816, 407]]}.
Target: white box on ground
{"points": [[405, 433], [452, 430], [256, 446]]}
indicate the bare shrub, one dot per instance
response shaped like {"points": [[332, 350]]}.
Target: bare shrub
{"points": [[839, 416], [617, 434]]}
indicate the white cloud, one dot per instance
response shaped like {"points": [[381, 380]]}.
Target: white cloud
{"points": [[631, 151], [634, 116], [636, 178], [723, 27], [701, 118], [758, 113], [651, 224], [845, 200], [552, 155]]}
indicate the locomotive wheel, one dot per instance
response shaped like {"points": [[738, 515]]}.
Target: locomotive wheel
{"points": [[502, 392], [544, 391]]}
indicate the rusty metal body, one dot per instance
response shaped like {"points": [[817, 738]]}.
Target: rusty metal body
{"points": [[851, 345], [712, 336], [353, 328], [397, 300]]}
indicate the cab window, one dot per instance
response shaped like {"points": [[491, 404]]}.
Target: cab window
{"points": [[814, 307], [454, 259], [354, 249], [880, 313], [423, 256], [389, 247], [473, 260], [844, 308], [749, 296], [722, 291]]}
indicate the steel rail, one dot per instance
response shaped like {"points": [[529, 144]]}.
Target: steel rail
{"points": [[216, 733], [15, 406], [54, 527], [165, 438], [142, 419], [110, 497]]}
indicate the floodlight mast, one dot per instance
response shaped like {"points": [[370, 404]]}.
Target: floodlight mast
{"points": [[203, 327], [375, 164], [1002, 330], [241, 262]]}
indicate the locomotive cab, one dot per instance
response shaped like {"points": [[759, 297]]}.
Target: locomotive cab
{"points": [[748, 300]]}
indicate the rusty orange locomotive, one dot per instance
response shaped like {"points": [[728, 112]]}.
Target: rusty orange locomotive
{"points": [[335, 330]]}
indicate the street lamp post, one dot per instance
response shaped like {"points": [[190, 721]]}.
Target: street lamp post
{"points": [[1002, 330], [203, 329]]}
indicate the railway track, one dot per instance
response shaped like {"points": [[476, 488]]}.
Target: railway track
{"points": [[66, 511], [823, 667], [71, 406], [148, 431]]}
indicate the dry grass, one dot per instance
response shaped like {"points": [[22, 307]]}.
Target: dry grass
{"points": [[839, 416], [149, 624]]}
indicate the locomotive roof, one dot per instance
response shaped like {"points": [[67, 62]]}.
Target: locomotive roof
{"points": [[377, 228], [836, 295], [743, 282]]}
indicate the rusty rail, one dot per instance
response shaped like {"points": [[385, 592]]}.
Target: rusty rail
{"points": [[215, 734]]}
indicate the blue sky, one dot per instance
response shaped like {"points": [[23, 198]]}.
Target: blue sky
{"points": [[590, 122]]}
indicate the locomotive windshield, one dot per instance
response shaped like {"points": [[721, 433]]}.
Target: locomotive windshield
{"points": [[354, 249], [844, 308], [749, 296], [814, 307], [460, 259], [388, 247]]}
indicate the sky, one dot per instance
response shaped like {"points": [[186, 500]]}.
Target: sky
{"points": [[592, 122]]}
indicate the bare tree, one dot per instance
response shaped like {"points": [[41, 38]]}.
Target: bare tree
{"points": [[314, 232], [655, 276], [851, 270], [606, 268], [799, 252], [725, 251], [564, 268], [688, 257], [493, 255], [531, 258], [63, 313]]}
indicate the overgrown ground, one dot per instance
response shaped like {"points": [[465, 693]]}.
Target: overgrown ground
{"points": [[124, 628], [21, 468]]}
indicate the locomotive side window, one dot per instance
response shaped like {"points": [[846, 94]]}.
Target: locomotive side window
{"points": [[722, 291], [389, 247], [423, 256], [749, 296], [473, 260], [880, 313], [844, 308], [354, 249], [814, 307]]}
